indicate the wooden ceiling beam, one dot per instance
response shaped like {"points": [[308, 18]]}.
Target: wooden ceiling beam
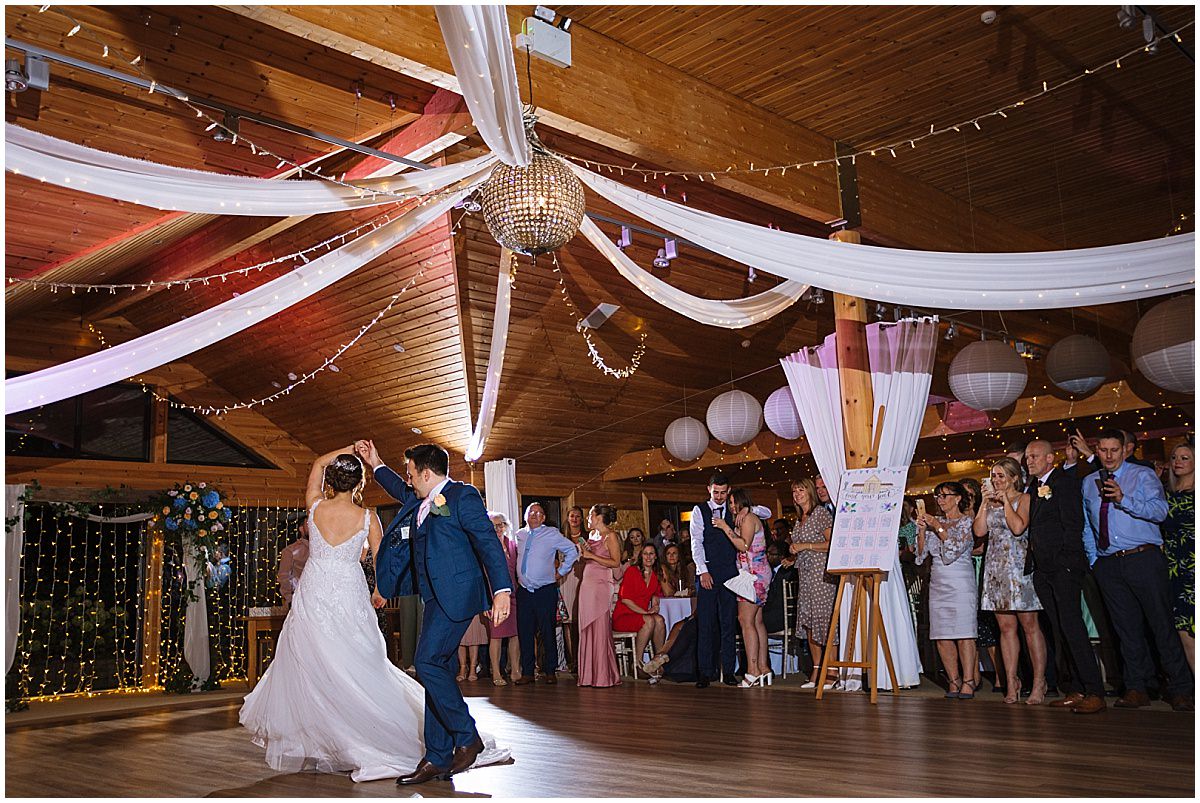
{"points": [[620, 98]]}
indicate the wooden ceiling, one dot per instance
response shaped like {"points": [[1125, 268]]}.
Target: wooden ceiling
{"points": [[565, 420], [1107, 160]]}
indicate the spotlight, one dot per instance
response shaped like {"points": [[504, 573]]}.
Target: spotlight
{"points": [[668, 252], [626, 238], [952, 330], [751, 275], [15, 79], [661, 260], [471, 205], [1126, 17], [565, 24], [228, 128], [544, 14], [816, 296], [880, 311]]}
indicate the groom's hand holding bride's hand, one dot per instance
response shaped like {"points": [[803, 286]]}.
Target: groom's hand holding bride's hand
{"points": [[500, 607], [367, 451]]}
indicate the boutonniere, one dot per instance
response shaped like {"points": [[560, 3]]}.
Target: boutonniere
{"points": [[439, 507], [1044, 492]]}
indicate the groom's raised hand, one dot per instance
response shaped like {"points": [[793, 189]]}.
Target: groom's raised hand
{"points": [[501, 604]]}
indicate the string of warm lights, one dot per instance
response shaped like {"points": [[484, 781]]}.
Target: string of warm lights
{"points": [[235, 136], [598, 361], [886, 148]]}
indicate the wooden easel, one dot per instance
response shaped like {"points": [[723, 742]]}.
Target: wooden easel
{"points": [[865, 617]]}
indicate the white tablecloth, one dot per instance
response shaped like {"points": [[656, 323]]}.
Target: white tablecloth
{"points": [[674, 609]]}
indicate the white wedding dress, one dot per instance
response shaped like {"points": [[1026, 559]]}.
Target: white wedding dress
{"points": [[330, 700]]}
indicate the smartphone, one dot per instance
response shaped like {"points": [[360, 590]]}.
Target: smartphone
{"points": [[920, 506], [987, 485]]}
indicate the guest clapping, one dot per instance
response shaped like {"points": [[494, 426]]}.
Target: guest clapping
{"points": [[750, 541], [637, 604], [952, 587], [597, 664]]}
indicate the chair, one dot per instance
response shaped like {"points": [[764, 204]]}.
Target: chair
{"points": [[624, 645], [785, 636]]}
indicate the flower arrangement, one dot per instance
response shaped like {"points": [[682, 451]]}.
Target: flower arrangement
{"points": [[195, 514]]}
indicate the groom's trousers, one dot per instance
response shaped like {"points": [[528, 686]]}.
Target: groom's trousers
{"points": [[716, 623], [448, 722]]}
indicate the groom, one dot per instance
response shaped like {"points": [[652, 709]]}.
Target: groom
{"points": [[453, 543]]}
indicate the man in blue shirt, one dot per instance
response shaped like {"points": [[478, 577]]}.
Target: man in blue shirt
{"points": [[1123, 505], [537, 590]]}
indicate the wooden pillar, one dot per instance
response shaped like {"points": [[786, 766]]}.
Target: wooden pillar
{"points": [[854, 371]]}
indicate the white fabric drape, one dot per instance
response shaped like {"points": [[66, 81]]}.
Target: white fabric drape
{"points": [[78, 167], [195, 622], [481, 50], [733, 314], [1029, 280], [495, 368], [14, 543], [812, 376], [500, 488], [203, 329]]}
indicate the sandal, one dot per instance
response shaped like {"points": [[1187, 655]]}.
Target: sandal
{"points": [[1014, 692], [962, 695], [460, 678], [954, 688], [499, 682], [1038, 695]]}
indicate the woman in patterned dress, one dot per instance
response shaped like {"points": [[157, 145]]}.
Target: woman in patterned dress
{"points": [[985, 621], [750, 541], [1179, 544], [815, 590], [1007, 590]]}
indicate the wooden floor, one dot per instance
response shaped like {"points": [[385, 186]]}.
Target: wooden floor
{"points": [[662, 741]]}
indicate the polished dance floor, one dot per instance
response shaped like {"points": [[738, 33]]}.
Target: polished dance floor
{"points": [[643, 741]]}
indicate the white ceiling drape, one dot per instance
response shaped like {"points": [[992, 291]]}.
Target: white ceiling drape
{"points": [[481, 50], [486, 416], [733, 314], [78, 167], [1027, 280]]}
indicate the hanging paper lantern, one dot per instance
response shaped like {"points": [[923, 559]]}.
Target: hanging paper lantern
{"points": [[987, 375], [781, 415], [1164, 344], [1078, 364], [734, 417], [535, 209], [686, 438]]}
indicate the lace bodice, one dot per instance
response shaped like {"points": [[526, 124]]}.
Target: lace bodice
{"points": [[348, 552]]}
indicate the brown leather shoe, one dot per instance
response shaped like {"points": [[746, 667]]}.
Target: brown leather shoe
{"points": [[464, 757], [551, 679], [1070, 701], [1091, 704], [524, 680], [424, 772], [1133, 699], [1181, 702]]}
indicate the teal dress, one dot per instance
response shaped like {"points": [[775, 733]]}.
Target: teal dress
{"points": [[1179, 545]]}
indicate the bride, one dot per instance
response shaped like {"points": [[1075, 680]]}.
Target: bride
{"points": [[330, 700]]}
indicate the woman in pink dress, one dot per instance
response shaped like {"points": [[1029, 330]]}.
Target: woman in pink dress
{"points": [[597, 659], [508, 628]]}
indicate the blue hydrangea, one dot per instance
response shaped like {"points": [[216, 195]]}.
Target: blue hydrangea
{"points": [[210, 499], [180, 502], [172, 524]]}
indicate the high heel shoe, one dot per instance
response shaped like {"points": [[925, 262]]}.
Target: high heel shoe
{"points": [[962, 695], [1038, 695], [749, 681], [1014, 692], [767, 678], [954, 688]]}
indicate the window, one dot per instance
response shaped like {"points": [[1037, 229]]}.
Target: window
{"points": [[111, 423], [191, 439], [550, 504]]}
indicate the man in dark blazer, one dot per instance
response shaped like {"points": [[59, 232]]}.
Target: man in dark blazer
{"points": [[453, 545], [1058, 563]]}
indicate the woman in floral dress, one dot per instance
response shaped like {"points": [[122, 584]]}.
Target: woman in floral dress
{"points": [[1179, 544]]}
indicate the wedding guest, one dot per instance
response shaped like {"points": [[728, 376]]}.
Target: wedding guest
{"points": [[783, 567], [468, 649], [506, 630], [678, 580], [750, 540], [947, 540], [575, 531], [677, 654], [637, 604], [597, 658], [291, 564], [1123, 507], [631, 551], [988, 629], [1179, 544], [1004, 519], [538, 547], [823, 495], [666, 536], [815, 590]]}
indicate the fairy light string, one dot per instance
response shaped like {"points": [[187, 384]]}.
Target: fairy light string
{"points": [[598, 361]]}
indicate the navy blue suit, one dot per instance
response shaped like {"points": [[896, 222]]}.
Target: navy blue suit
{"points": [[716, 607], [450, 555]]}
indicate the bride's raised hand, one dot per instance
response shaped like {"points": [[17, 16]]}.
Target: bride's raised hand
{"points": [[367, 451]]}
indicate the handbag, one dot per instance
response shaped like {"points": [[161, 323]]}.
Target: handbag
{"points": [[742, 584]]}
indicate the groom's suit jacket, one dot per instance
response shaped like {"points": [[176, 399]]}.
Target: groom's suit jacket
{"points": [[450, 553]]}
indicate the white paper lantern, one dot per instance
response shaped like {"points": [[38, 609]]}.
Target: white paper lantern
{"points": [[686, 438], [1078, 364], [781, 415], [987, 375], [1164, 345], [734, 417]]}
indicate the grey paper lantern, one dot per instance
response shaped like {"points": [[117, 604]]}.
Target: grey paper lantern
{"points": [[988, 375], [734, 417], [781, 415], [686, 438], [1078, 364], [1164, 345]]}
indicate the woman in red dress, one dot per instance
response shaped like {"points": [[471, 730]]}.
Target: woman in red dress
{"points": [[637, 603]]}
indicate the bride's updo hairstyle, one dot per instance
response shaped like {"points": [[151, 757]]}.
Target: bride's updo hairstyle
{"points": [[607, 513], [345, 473]]}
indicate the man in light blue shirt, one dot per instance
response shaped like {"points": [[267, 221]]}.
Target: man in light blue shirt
{"points": [[537, 590], [1123, 505]]}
